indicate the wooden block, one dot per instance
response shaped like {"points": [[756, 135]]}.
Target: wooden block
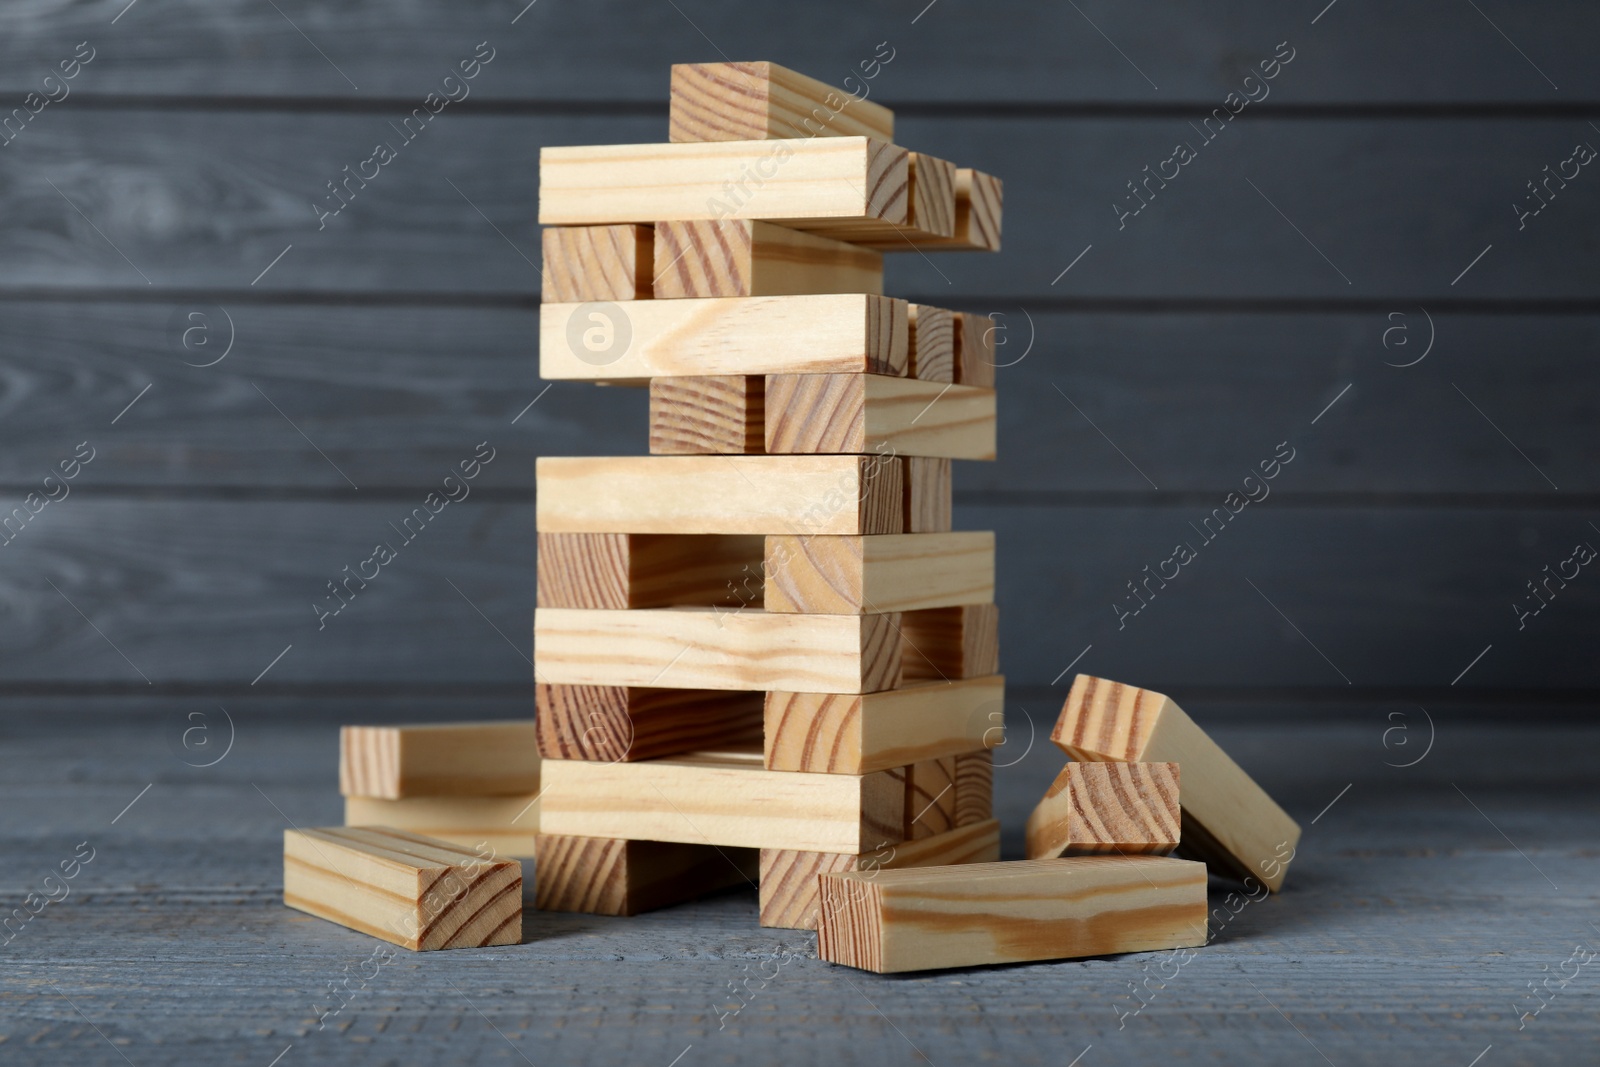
{"points": [[930, 798], [880, 415], [930, 216], [878, 731], [753, 101], [713, 415], [1106, 807], [979, 197], [975, 349], [723, 799], [507, 825], [928, 490], [463, 758], [789, 878], [693, 648], [1228, 820], [795, 182], [407, 889], [608, 723], [927, 918], [585, 263], [974, 787], [950, 643], [808, 334], [605, 876], [931, 333], [742, 257], [885, 572], [618, 570], [720, 494]]}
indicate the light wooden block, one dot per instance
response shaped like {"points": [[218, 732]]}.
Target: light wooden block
{"points": [[605, 876], [608, 723], [927, 918], [932, 336], [793, 181], [587, 263], [846, 333], [974, 787], [930, 798], [975, 350], [950, 643], [789, 879], [465, 758], [505, 825], [928, 495], [723, 799], [407, 889], [1107, 807], [713, 415], [742, 257], [836, 734], [721, 494], [1228, 820], [618, 570], [930, 215], [752, 101], [878, 414], [979, 198], [885, 572]]}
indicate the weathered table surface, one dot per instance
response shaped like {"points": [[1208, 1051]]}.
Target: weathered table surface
{"points": [[1423, 903]]}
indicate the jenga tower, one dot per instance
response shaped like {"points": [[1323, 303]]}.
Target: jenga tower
{"points": [[764, 635]]}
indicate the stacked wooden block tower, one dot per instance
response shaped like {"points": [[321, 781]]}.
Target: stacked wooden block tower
{"points": [[760, 652]]}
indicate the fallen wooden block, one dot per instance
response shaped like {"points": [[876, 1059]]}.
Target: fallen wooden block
{"points": [[723, 799], [721, 494], [878, 414], [1107, 807], [407, 889], [930, 212], [927, 918], [606, 876], [742, 257], [692, 648], [885, 572], [621, 570], [1228, 820], [465, 758], [808, 334], [586, 263], [789, 891], [928, 492], [950, 643], [713, 415], [975, 350], [610, 724], [502, 825], [931, 335], [979, 198], [752, 101], [834, 734]]}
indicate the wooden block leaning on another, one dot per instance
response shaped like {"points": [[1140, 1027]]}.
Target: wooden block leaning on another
{"points": [[839, 734], [502, 826], [753, 101], [588, 263], [926, 918], [407, 889], [1228, 820], [617, 724], [606, 876], [462, 759], [622, 570], [743, 257], [887, 572], [878, 414], [1107, 807]]}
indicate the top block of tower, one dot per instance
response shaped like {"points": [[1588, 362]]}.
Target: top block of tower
{"points": [[757, 101]]}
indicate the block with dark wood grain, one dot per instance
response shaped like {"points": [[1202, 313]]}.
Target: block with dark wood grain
{"points": [[878, 414], [720, 414], [612, 723], [1106, 807], [608, 876], [589, 263]]}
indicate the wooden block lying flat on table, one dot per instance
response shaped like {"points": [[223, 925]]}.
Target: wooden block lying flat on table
{"points": [[752, 101], [407, 889], [836, 734], [723, 799], [692, 648], [620, 570], [1228, 820], [605, 876], [979, 198], [793, 182], [789, 878], [975, 349], [950, 643], [885, 572], [1107, 807], [610, 723], [742, 257], [714, 415], [878, 414], [974, 787], [930, 216], [932, 335], [720, 494], [585, 263], [501, 826], [465, 758], [927, 918], [808, 334], [928, 490]]}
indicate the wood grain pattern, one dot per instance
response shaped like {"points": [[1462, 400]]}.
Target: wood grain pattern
{"points": [[885, 572], [1239, 830], [807, 334], [789, 891], [742, 257], [975, 349], [979, 200], [619, 570], [1107, 807], [930, 217], [950, 643], [607, 723], [930, 798], [974, 777], [757, 101], [929, 492], [932, 335], [413, 891], [507, 825], [877, 414], [463, 759], [713, 415], [584, 263], [935, 917], [607, 876]]}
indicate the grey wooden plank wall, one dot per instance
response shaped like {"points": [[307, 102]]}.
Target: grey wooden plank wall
{"points": [[1358, 216]]}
